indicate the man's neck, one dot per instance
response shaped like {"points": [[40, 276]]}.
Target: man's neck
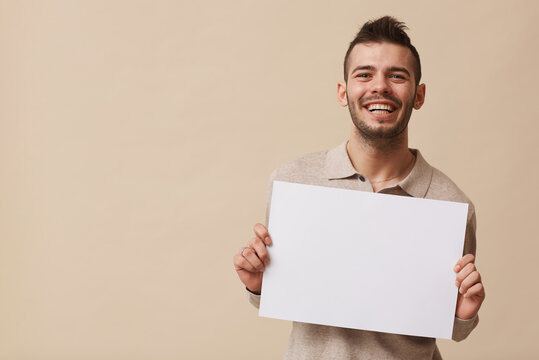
{"points": [[384, 162]]}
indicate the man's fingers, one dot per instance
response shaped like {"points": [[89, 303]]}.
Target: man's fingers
{"points": [[255, 257], [469, 281], [466, 271], [468, 278], [476, 290], [260, 249], [466, 259], [250, 255], [262, 232], [241, 263]]}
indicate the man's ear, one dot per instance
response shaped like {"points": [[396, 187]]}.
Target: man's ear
{"points": [[419, 96], [341, 93]]}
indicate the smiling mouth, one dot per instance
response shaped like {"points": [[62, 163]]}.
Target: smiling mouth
{"points": [[380, 109]]}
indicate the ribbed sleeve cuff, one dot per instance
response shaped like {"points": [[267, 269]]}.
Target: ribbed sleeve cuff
{"points": [[254, 299], [463, 328]]}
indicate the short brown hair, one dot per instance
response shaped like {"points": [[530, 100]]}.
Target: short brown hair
{"points": [[387, 29]]}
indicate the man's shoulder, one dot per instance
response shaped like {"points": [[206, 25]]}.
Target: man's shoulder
{"points": [[302, 169], [443, 188]]}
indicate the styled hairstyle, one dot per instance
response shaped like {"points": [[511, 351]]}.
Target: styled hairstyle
{"points": [[384, 29]]}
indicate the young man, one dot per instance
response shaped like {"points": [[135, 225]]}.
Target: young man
{"points": [[381, 86]]}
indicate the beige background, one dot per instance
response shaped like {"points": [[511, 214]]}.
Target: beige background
{"points": [[136, 140]]}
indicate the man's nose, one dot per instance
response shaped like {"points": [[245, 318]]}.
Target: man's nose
{"points": [[380, 85]]}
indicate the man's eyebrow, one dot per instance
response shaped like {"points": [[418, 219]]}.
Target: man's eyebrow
{"points": [[399, 69], [362, 67]]}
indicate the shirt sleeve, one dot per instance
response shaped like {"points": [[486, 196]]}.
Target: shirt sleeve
{"points": [[470, 243], [463, 328], [254, 299]]}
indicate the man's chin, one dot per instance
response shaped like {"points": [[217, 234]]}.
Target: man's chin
{"points": [[380, 132], [383, 128]]}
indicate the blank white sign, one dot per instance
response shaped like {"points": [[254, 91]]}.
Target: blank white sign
{"points": [[363, 260]]}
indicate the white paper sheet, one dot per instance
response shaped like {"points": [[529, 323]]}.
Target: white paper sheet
{"points": [[363, 260]]}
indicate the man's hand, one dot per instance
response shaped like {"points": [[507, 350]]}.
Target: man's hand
{"points": [[251, 261], [471, 289]]}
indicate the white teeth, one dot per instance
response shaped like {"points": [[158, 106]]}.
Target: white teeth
{"points": [[374, 107]]}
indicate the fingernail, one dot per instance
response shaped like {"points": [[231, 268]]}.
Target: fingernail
{"points": [[457, 268], [457, 283], [267, 240]]}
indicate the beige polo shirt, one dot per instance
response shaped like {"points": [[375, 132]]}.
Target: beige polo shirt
{"points": [[333, 168]]}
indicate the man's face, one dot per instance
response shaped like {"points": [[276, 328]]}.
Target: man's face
{"points": [[380, 91]]}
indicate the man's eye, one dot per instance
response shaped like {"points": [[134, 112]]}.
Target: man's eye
{"points": [[396, 76], [363, 75]]}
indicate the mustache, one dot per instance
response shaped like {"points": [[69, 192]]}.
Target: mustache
{"points": [[393, 99]]}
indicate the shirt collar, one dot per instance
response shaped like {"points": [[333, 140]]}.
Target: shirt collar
{"points": [[338, 164], [416, 184]]}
